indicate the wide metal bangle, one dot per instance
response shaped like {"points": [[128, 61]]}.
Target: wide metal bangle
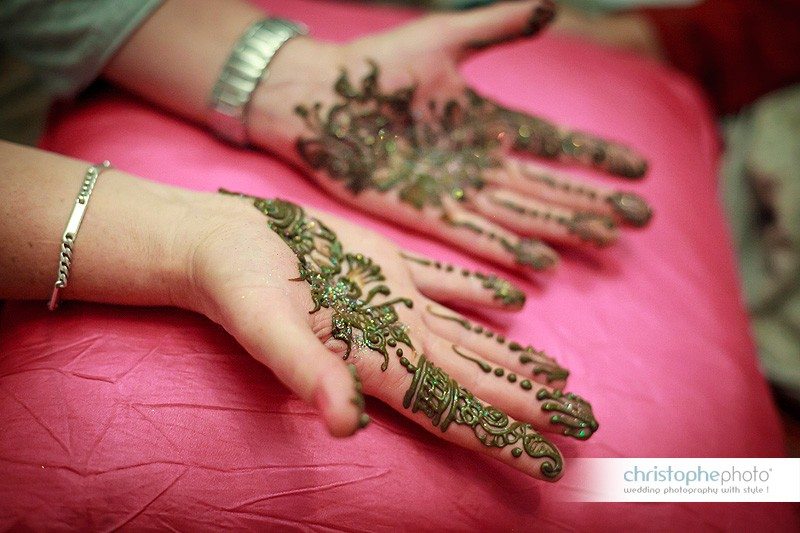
{"points": [[71, 231], [246, 67]]}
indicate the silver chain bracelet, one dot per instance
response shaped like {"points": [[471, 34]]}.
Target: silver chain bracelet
{"points": [[71, 231], [246, 67]]}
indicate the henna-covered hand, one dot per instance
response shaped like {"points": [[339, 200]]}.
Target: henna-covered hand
{"points": [[338, 313], [387, 123]]}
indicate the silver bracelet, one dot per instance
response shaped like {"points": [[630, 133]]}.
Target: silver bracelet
{"points": [[244, 70], [71, 231]]}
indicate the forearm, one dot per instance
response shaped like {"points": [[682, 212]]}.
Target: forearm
{"points": [[175, 57], [129, 250]]}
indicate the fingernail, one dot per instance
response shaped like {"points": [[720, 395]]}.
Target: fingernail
{"points": [[532, 253], [542, 15], [504, 291], [631, 207], [596, 229], [570, 411], [634, 170]]}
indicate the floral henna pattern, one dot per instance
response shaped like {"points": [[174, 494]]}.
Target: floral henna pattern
{"points": [[542, 364], [372, 140], [445, 402], [347, 283], [503, 290]]}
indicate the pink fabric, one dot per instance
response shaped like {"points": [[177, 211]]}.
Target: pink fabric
{"points": [[155, 418]]}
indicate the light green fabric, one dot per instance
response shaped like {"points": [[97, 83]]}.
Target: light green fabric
{"points": [[761, 188], [53, 49]]}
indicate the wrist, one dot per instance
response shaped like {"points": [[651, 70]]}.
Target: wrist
{"points": [[204, 223], [303, 70], [131, 249]]}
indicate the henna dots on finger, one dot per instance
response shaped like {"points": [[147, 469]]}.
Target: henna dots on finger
{"points": [[502, 290], [541, 363]]}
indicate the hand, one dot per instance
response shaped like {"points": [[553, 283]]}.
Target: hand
{"points": [[337, 312], [386, 123], [300, 291]]}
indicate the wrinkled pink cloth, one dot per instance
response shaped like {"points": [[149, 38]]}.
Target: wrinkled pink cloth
{"points": [[157, 419]]}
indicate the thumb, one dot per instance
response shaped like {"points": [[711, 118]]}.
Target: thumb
{"points": [[476, 29], [286, 344]]}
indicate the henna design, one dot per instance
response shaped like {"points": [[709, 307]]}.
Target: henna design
{"points": [[572, 411], [582, 224], [358, 399], [542, 363], [445, 402], [525, 251], [543, 138], [632, 208], [372, 140], [504, 290], [338, 281], [345, 283], [484, 366], [575, 413], [525, 384], [563, 185]]}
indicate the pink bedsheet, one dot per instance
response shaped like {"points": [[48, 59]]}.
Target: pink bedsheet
{"points": [[155, 418]]}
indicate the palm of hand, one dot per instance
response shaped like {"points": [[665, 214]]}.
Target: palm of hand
{"points": [[435, 145]]}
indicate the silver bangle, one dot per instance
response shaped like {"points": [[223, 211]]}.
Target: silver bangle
{"points": [[246, 67], [71, 231]]}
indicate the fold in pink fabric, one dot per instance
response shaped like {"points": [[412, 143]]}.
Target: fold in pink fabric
{"points": [[156, 419]]}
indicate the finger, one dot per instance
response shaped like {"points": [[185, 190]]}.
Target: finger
{"points": [[477, 235], [479, 28], [430, 397], [547, 409], [545, 221], [554, 188], [541, 137], [453, 224], [522, 361], [287, 345], [445, 282]]}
